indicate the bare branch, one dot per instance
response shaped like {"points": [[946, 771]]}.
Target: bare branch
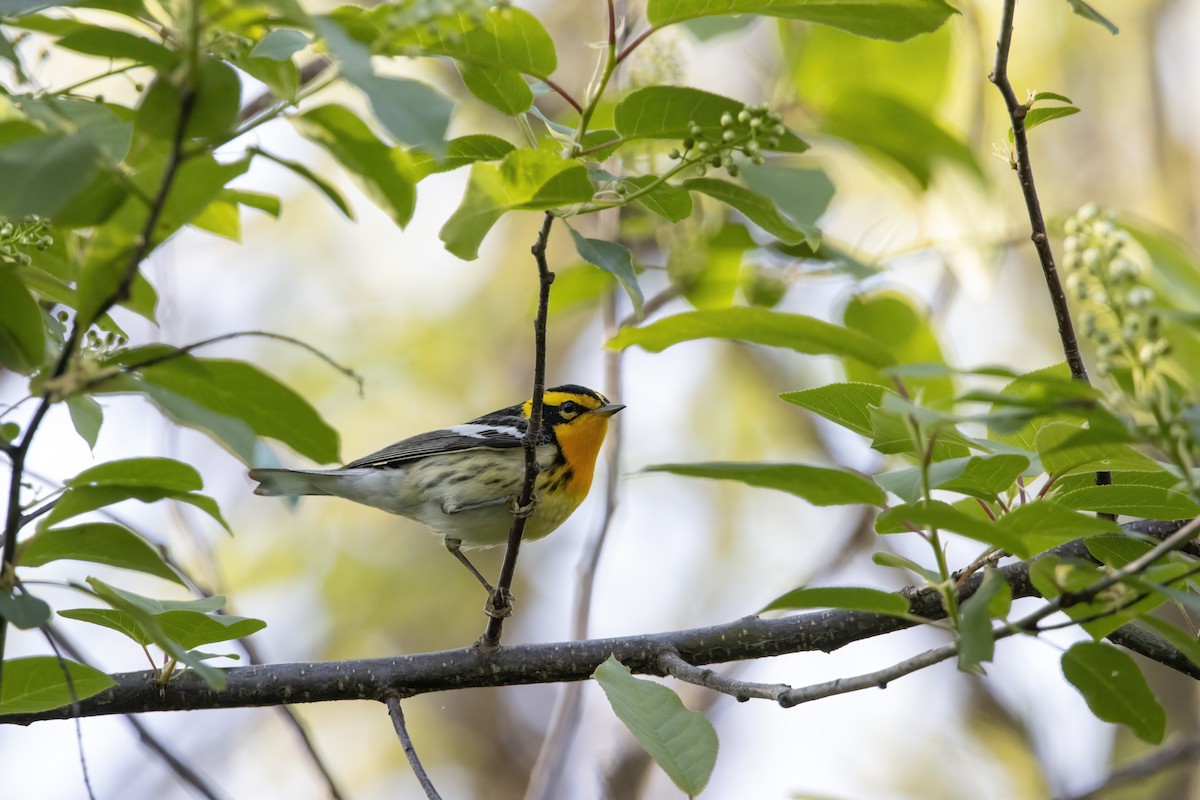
{"points": [[500, 602], [397, 715], [674, 665]]}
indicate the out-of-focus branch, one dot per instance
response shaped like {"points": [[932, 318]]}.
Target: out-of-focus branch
{"points": [[1174, 754], [410, 752]]}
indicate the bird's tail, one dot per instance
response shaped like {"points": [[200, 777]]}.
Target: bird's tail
{"points": [[291, 482]]}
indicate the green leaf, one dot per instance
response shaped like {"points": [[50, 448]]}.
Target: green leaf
{"points": [[42, 174], [280, 44], [89, 498], [892, 434], [984, 477], [194, 628], [683, 742], [898, 324], [1035, 391], [1040, 97], [895, 20], [1067, 449], [847, 404], [801, 194], [217, 390], [976, 643], [925, 515], [1147, 502], [325, 187], [670, 112], [222, 218], [708, 267], [1092, 15], [460, 152], [165, 473], [672, 203], [758, 326], [849, 598], [900, 133], [756, 208], [1043, 524], [821, 486], [120, 46], [198, 181], [23, 610], [98, 542], [1115, 689], [530, 180], [281, 77], [384, 173], [214, 108], [143, 611], [829, 63], [613, 258], [1038, 116], [22, 330], [42, 683], [502, 89], [260, 201], [413, 112], [110, 618], [885, 559], [507, 37]]}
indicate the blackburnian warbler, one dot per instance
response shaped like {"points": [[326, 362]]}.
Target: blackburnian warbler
{"points": [[463, 481]]}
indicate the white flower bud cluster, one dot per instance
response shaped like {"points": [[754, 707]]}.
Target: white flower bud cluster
{"points": [[1120, 314], [747, 132], [17, 238]]}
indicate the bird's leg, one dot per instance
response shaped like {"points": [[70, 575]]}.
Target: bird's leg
{"points": [[454, 546]]}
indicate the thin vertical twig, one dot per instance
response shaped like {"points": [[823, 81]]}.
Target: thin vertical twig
{"points": [[410, 752], [500, 602], [1033, 205]]}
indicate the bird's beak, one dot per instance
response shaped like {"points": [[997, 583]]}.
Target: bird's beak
{"points": [[608, 410]]}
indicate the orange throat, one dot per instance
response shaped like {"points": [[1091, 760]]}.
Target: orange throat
{"points": [[580, 443]]}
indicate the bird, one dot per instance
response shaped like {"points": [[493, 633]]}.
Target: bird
{"points": [[463, 482]]}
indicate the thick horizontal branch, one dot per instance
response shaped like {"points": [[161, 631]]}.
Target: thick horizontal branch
{"points": [[469, 667]]}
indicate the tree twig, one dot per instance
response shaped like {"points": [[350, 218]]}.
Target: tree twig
{"points": [[674, 665], [500, 603], [1170, 755], [410, 752], [1033, 205]]}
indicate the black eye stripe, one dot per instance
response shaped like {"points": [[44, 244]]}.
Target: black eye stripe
{"points": [[569, 407]]}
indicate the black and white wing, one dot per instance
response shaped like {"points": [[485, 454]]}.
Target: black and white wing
{"points": [[498, 430]]}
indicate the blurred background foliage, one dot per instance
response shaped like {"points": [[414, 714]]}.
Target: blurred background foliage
{"points": [[923, 226]]}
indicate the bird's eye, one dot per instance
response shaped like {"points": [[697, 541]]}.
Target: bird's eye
{"points": [[569, 408]]}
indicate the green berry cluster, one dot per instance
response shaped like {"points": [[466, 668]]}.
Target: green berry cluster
{"points": [[1120, 316], [17, 238], [748, 132]]}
